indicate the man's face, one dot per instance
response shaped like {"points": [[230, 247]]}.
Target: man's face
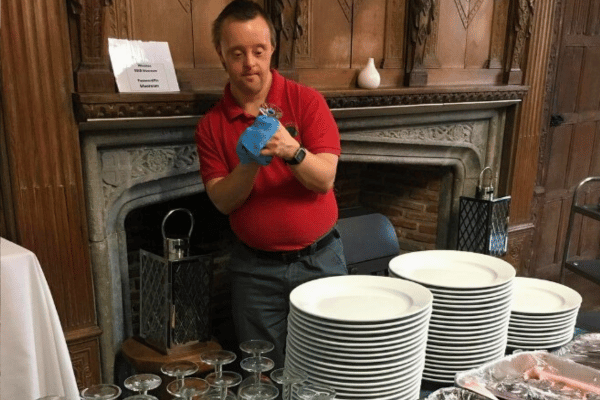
{"points": [[245, 51]]}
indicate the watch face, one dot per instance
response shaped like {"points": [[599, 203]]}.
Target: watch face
{"points": [[300, 154]]}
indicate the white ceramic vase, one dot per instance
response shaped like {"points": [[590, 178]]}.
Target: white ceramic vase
{"points": [[369, 78]]}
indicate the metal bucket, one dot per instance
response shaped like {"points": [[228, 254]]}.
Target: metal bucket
{"points": [[176, 248]]}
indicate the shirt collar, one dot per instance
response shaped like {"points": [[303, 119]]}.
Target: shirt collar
{"points": [[233, 110]]}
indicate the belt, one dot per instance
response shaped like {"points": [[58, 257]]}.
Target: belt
{"points": [[294, 255]]}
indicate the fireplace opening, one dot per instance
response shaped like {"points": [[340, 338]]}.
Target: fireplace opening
{"points": [[410, 196]]}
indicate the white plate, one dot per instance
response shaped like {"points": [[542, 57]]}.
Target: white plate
{"points": [[500, 325], [533, 328], [466, 348], [542, 322], [344, 340], [301, 319], [357, 383], [453, 269], [471, 294], [471, 313], [467, 325], [468, 318], [524, 341], [466, 339], [543, 346], [459, 301], [538, 296], [360, 298], [361, 326], [455, 354], [342, 362], [545, 317], [375, 349], [451, 362]]}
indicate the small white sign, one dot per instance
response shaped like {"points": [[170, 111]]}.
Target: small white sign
{"points": [[142, 66], [147, 78]]}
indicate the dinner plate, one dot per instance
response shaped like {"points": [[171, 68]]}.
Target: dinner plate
{"points": [[546, 328], [472, 313], [350, 359], [466, 348], [457, 324], [452, 269], [432, 361], [466, 339], [307, 341], [344, 342], [456, 302], [459, 354], [498, 326], [358, 327], [542, 346], [354, 367], [358, 383], [360, 298], [515, 319], [538, 296], [471, 294], [352, 332], [523, 341]]}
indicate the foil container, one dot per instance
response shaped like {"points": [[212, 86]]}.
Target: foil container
{"points": [[584, 349], [454, 393], [536, 375]]}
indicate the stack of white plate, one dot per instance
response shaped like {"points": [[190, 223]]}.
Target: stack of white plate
{"points": [[543, 314], [364, 336], [472, 295]]}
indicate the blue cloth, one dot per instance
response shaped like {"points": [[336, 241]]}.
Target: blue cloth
{"points": [[255, 138], [260, 290]]}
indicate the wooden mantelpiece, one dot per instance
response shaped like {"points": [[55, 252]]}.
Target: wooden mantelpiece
{"points": [[135, 105]]}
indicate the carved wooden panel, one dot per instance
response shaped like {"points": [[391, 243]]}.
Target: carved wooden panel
{"points": [[85, 357]]}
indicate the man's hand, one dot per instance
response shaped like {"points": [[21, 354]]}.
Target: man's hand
{"points": [[282, 145]]}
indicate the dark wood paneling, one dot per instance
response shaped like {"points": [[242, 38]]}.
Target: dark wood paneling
{"points": [[566, 87], [580, 152], [559, 157], [43, 156], [589, 94]]}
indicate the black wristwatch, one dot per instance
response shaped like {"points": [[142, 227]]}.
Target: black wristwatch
{"points": [[298, 156]]}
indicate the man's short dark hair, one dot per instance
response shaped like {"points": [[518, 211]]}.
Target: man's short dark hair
{"points": [[240, 10]]}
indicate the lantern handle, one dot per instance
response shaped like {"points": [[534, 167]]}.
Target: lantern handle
{"points": [[171, 213], [481, 175]]}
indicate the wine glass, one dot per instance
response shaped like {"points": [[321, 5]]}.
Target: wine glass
{"points": [[102, 391], [218, 379], [257, 388], [188, 388], [256, 348], [316, 392], [141, 397], [288, 377], [179, 369], [142, 382]]}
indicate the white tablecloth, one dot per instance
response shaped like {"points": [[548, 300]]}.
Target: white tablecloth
{"points": [[34, 357]]}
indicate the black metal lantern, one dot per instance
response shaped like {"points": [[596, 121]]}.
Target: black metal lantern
{"points": [[483, 221], [174, 298]]}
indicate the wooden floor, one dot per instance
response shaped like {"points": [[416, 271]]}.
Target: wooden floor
{"points": [[588, 290]]}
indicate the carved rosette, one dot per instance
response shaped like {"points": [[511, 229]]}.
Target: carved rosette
{"points": [[122, 169]]}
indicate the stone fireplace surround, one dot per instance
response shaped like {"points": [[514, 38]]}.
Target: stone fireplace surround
{"points": [[132, 162]]}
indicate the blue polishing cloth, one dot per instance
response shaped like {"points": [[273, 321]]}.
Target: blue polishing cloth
{"points": [[254, 139]]}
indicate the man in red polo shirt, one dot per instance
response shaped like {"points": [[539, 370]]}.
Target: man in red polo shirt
{"points": [[282, 210]]}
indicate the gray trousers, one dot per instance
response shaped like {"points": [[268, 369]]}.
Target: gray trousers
{"points": [[260, 290]]}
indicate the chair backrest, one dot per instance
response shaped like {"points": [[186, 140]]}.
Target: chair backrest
{"points": [[369, 240]]}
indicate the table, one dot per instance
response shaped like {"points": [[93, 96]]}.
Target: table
{"points": [[35, 360]]}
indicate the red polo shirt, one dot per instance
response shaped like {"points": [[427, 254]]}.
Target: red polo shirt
{"points": [[280, 213]]}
